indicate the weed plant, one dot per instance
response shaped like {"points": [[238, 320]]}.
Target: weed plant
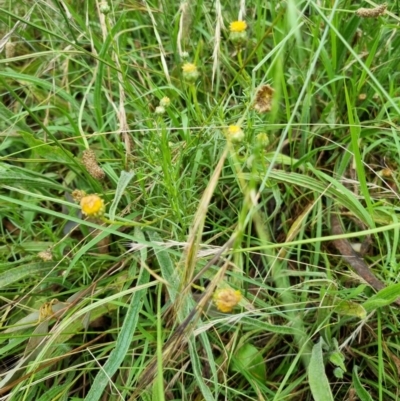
{"points": [[219, 137]]}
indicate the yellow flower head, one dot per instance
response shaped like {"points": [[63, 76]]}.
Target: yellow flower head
{"points": [[238, 26], [190, 72], [226, 299], [165, 101], [235, 133], [262, 139], [93, 206], [189, 67]]}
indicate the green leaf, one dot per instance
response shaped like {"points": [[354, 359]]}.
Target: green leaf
{"points": [[317, 379], [338, 372], [167, 267], [349, 308], [362, 394], [123, 182], [273, 328], [337, 358], [384, 297], [16, 176], [248, 358], [21, 272], [48, 152], [124, 339]]}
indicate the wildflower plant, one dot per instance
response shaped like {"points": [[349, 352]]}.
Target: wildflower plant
{"points": [[237, 32], [311, 91], [226, 299], [190, 72], [235, 134]]}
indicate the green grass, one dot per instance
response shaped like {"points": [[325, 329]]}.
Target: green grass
{"points": [[205, 212]]}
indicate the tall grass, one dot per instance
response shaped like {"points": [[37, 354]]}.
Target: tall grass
{"points": [[202, 194]]}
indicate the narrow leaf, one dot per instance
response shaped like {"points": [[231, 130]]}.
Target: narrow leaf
{"points": [[384, 297], [317, 379], [48, 152], [248, 358], [362, 394], [21, 272], [124, 339], [166, 265], [123, 182]]}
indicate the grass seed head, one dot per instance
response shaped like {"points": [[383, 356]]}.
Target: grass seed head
{"points": [[90, 162], [372, 12]]}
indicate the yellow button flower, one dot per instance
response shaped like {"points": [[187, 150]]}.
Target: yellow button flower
{"points": [[190, 72], [93, 206], [189, 67], [238, 26], [165, 101], [226, 299], [238, 34], [235, 133]]}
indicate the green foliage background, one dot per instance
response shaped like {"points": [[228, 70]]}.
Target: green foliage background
{"points": [[201, 211]]}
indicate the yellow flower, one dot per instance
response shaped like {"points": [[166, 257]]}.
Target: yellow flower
{"points": [[235, 133], [262, 139], [189, 67], [165, 101], [226, 299], [190, 72], [93, 206], [238, 26]]}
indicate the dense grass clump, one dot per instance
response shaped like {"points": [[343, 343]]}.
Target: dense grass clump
{"points": [[168, 174]]}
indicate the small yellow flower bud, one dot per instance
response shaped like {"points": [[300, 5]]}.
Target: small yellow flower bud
{"points": [[165, 101], [93, 206], [104, 7], [238, 33], [235, 134], [226, 299], [77, 195], [262, 139], [159, 110], [46, 256], [190, 72]]}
